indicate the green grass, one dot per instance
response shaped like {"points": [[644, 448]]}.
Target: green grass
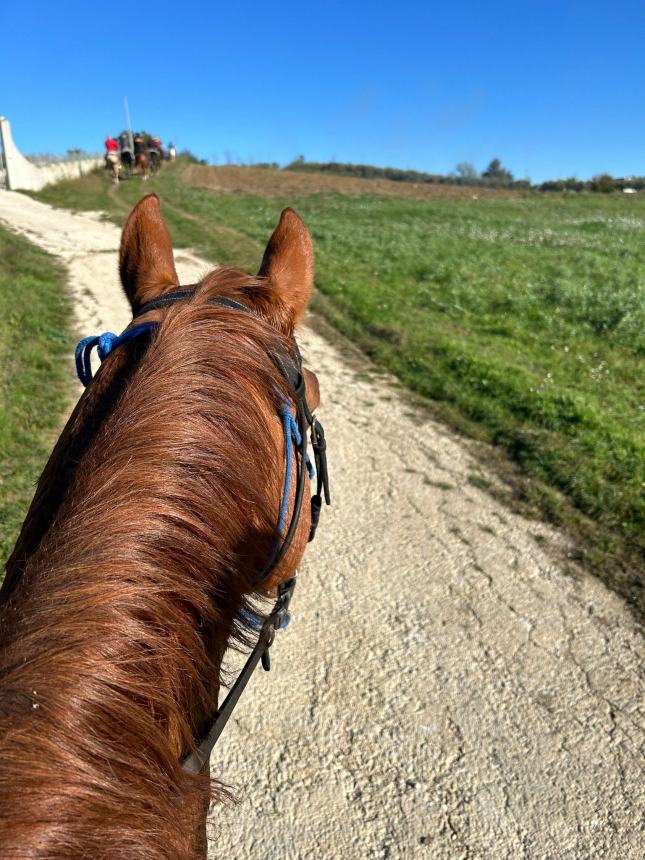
{"points": [[522, 320], [35, 380]]}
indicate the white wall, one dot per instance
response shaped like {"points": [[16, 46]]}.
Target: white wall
{"points": [[22, 175]]}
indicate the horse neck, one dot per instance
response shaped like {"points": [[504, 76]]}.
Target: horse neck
{"points": [[125, 588]]}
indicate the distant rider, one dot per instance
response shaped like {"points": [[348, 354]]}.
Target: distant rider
{"points": [[112, 160]]}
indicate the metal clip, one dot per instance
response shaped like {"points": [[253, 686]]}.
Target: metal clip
{"points": [[279, 618]]}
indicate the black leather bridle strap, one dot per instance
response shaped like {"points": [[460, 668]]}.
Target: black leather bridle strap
{"points": [[166, 299], [279, 616], [319, 446]]}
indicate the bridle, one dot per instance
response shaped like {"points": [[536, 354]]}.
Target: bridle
{"points": [[295, 432]]}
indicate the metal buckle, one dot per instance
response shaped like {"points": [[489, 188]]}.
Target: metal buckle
{"points": [[279, 618]]}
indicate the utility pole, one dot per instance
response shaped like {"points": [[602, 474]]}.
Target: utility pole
{"points": [[129, 124]]}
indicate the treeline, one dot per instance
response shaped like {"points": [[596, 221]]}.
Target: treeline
{"points": [[601, 184], [495, 175]]}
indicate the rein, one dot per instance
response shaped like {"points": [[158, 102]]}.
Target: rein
{"points": [[295, 436], [278, 618]]}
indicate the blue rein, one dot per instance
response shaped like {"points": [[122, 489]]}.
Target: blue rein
{"points": [[104, 344]]}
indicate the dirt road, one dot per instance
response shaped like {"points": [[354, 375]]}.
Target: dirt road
{"points": [[444, 690]]}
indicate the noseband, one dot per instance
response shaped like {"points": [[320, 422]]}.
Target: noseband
{"points": [[295, 432]]}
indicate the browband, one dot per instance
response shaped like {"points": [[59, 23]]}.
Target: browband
{"points": [[166, 299]]}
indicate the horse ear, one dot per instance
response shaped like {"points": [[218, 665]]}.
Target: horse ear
{"points": [[288, 263], [146, 263]]}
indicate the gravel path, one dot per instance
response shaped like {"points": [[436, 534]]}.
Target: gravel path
{"points": [[445, 690]]}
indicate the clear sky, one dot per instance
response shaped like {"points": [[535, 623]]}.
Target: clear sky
{"points": [[552, 87]]}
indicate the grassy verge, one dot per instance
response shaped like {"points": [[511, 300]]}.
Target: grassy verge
{"points": [[34, 385], [522, 320]]}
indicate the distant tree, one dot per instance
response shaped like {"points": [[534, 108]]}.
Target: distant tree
{"points": [[604, 183], [573, 184], [466, 170], [570, 184], [553, 185], [497, 174], [190, 156]]}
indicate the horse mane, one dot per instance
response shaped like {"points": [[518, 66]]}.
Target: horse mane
{"points": [[154, 515]]}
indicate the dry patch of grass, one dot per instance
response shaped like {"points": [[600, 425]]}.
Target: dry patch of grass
{"points": [[268, 182]]}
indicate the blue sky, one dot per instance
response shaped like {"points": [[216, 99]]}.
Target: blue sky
{"points": [[553, 88]]}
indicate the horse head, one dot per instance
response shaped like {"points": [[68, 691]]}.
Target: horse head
{"points": [[168, 508], [277, 297]]}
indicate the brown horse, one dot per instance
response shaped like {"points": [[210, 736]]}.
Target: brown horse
{"points": [[133, 570], [143, 163]]}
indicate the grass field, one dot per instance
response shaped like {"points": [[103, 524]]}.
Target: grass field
{"points": [[34, 384], [521, 319]]}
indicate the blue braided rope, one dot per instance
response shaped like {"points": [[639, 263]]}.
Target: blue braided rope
{"points": [[292, 436], [104, 343], [297, 439], [287, 426]]}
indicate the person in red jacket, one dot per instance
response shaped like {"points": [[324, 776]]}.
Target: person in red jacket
{"points": [[112, 160]]}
